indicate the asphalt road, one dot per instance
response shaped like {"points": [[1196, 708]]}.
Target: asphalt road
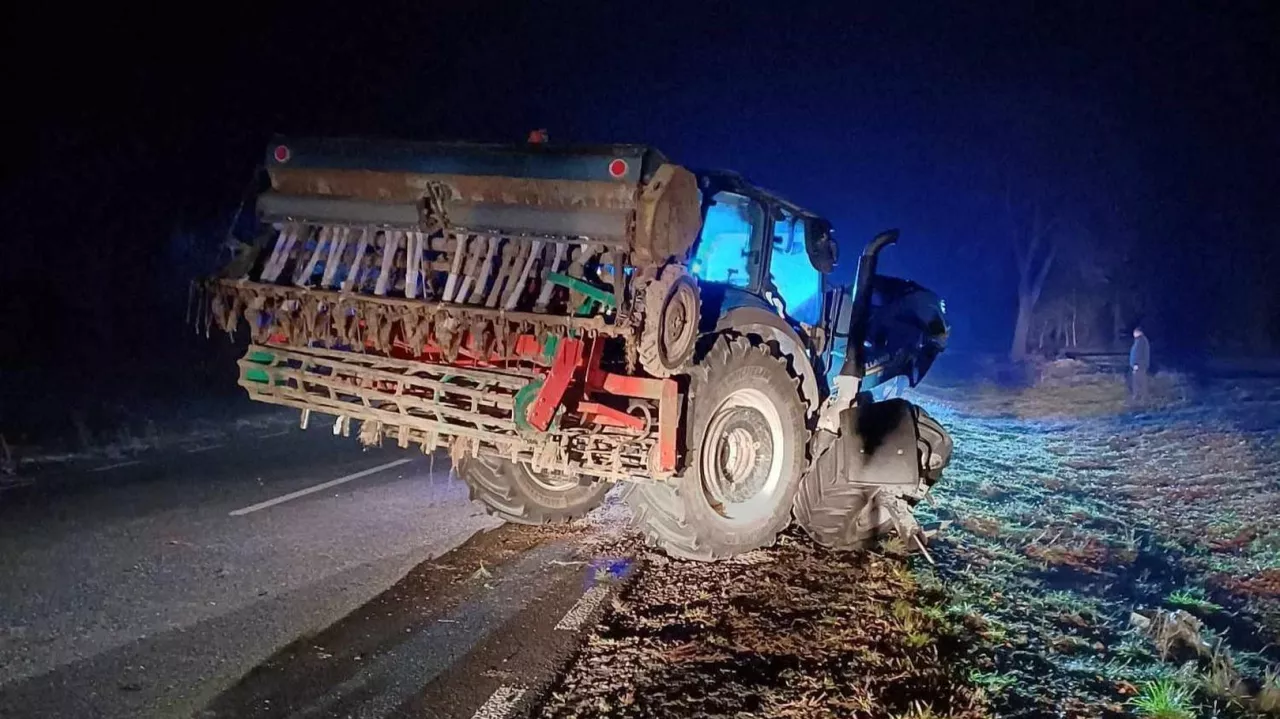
{"points": [[147, 588]]}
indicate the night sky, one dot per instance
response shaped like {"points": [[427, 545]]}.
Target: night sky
{"points": [[1155, 126]]}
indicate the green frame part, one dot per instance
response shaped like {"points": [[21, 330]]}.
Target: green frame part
{"points": [[593, 294]]}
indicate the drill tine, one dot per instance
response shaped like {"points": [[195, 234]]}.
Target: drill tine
{"points": [[413, 264], [351, 281], [302, 273], [544, 296], [518, 289], [390, 243], [336, 250]]}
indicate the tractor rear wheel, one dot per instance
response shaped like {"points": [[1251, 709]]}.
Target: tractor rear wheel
{"points": [[514, 492], [745, 454]]}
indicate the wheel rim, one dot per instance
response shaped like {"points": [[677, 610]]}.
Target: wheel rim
{"points": [[741, 457], [678, 322]]}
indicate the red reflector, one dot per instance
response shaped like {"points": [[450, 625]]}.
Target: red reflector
{"points": [[618, 168], [281, 153]]}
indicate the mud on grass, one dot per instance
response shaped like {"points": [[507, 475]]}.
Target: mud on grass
{"points": [[791, 631]]}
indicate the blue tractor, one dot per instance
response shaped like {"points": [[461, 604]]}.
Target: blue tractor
{"points": [[559, 319]]}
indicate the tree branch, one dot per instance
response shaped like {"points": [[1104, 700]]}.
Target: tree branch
{"points": [[1015, 235], [1044, 272]]}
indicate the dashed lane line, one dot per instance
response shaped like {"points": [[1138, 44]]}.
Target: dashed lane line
{"points": [[582, 609], [501, 703], [205, 448], [117, 465], [317, 488]]}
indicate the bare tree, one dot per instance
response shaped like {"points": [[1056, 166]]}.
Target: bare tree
{"points": [[1034, 248]]}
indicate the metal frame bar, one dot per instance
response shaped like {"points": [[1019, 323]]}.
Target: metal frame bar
{"points": [[568, 357], [606, 415]]}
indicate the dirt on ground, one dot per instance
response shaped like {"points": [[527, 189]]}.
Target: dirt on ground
{"points": [[792, 631]]}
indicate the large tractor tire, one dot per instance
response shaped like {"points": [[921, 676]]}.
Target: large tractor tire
{"points": [[514, 492], [935, 446], [746, 450], [877, 468]]}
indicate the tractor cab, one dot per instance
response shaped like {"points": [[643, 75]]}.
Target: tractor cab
{"points": [[755, 241], [756, 249]]}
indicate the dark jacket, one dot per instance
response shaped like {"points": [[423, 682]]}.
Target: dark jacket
{"points": [[1140, 354]]}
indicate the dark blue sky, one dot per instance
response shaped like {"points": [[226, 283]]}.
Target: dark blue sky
{"points": [[1154, 124]]}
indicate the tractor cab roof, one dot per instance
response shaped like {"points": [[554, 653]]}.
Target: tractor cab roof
{"points": [[728, 180]]}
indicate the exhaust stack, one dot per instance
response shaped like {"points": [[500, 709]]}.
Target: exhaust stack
{"points": [[855, 359]]}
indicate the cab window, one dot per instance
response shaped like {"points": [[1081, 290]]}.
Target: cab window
{"points": [[799, 284], [725, 249]]}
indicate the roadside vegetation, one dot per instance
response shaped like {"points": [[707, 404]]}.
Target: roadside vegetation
{"points": [[1093, 560], [1123, 559]]}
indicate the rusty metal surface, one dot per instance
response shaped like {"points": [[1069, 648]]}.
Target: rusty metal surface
{"points": [[605, 226], [472, 189]]}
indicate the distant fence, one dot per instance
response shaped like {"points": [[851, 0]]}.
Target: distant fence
{"points": [[1102, 361], [1208, 366]]}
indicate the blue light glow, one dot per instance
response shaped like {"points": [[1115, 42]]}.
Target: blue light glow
{"points": [[795, 277], [724, 249]]}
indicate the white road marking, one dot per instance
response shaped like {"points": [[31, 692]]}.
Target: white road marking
{"points": [[500, 704], [205, 448], [581, 609], [318, 488], [117, 465], [274, 434]]}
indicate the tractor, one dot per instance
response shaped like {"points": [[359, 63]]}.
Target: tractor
{"points": [[561, 319]]}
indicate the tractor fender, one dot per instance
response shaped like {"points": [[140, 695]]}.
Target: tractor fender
{"points": [[762, 321]]}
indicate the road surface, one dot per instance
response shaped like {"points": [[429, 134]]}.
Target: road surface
{"points": [[146, 587]]}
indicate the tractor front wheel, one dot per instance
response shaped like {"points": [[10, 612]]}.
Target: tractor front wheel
{"points": [[846, 499]]}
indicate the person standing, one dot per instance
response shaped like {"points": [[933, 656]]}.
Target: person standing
{"points": [[1139, 365]]}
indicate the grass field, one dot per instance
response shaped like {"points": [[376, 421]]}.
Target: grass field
{"points": [[1095, 560]]}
